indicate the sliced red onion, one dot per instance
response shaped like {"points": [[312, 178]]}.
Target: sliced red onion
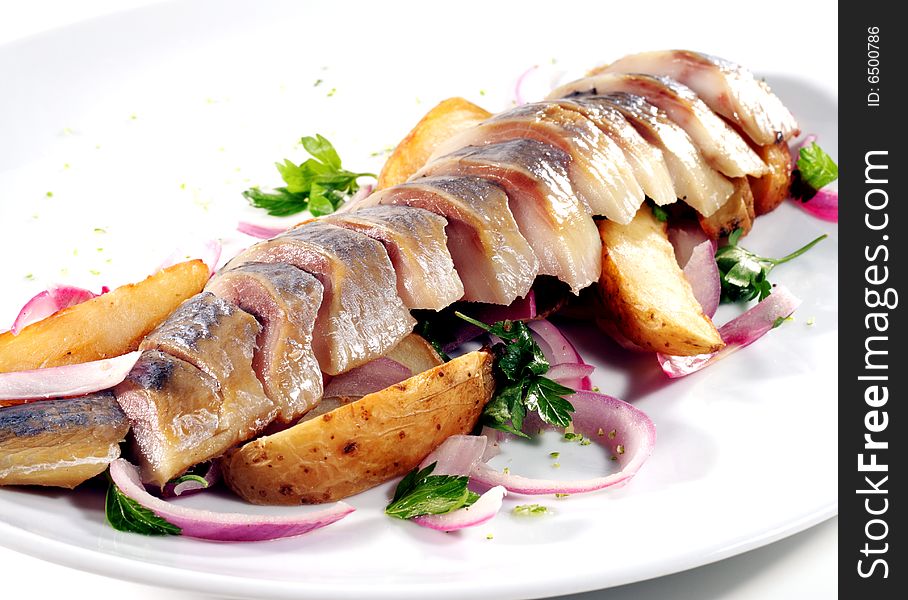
{"points": [[222, 527], [261, 232], [521, 81], [68, 380], [361, 193], [457, 455], [570, 374], [702, 273], [371, 377], [50, 301], [191, 486], [737, 333], [557, 349], [209, 252], [626, 431], [685, 238], [482, 511], [824, 205]]}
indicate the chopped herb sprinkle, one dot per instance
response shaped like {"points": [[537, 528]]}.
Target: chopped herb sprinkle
{"points": [[49, 194], [556, 465], [612, 434], [530, 510], [561, 496], [554, 454], [620, 449]]}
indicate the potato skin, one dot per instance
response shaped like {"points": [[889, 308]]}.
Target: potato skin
{"points": [[737, 213], [443, 121], [646, 298], [362, 444], [103, 327], [771, 190]]}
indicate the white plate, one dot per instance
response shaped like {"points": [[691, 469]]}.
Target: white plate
{"points": [[146, 126]]}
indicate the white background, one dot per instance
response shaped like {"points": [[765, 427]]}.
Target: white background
{"points": [[803, 566]]}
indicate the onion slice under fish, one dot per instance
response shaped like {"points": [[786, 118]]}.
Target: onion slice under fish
{"points": [[626, 432], [50, 301], [223, 527], [737, 333], [262, 232], [68, 380], [371, 377], [702, 273]]}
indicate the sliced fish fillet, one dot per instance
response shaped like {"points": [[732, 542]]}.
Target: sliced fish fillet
{"points": [[60, 442], [722, 147], [417, 246], [361, 316], [727, 88], [285, 301], [492, 258], [554, 221], [599, 171]]}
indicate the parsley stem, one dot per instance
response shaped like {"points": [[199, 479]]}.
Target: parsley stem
{"points": [[479, 324], [799, 252]]}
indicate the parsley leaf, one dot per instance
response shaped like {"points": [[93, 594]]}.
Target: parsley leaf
{"points": [[660, 213], [125, 514], [815, 170], [421, 493], [743, 274], [319, 184], [520, 367]]}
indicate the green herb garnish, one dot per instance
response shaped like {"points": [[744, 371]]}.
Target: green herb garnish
{"points": [[426, 330], [125, 514], [319, 184], [421, 493], [815, 170], [189, 477], [520, 385], [660, 213], [530, 510], [744, 275]]}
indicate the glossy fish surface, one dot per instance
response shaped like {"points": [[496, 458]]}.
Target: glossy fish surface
{"points": [[696, 183], [599, 171], [219, 339], [285, 301], [722, 147], [361, 316], [494, 261], [417, 246], [177, 416], [727, 88], [60, 442], [557, 224]]}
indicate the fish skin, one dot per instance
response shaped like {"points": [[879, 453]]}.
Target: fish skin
{"points": [[557, 225], [494, 261], [219, 339], [175, 410], [720, 145], [599, 171], [60, 442], [417, 246], [696, 183], [285, 301], [727, 88], [361, 316]]}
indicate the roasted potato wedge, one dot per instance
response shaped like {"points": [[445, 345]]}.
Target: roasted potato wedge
{"points": [[364, 443], [103, 327], [439, 124], [770, 190], [645, 295], [736, 213], [416, 353]]}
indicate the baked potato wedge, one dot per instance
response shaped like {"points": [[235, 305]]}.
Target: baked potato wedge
{"points": [[103, 327], [736, 213], [771, 190], [415, 353], [362, 444], [645, 295], [439, 124]]}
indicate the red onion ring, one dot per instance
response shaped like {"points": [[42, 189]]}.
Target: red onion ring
{"points": [[702, 273], [50, 301], [371, 377], [737, 333], [222, 527], [569, 373], [482, 511], [68, 380], [518, 86], [261, 232], [685, 238], [208, 252], [626, 431], [824, 205], [558, 350]]}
